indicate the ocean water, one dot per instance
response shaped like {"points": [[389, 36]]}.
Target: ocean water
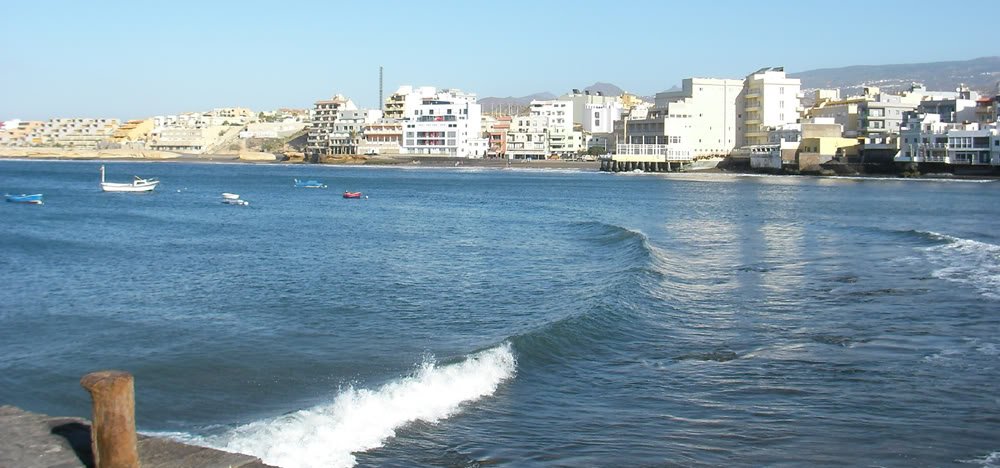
{"points": [[463, 317]]}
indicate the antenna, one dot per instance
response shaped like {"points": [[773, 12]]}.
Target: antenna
{"points": [[381, 103]]}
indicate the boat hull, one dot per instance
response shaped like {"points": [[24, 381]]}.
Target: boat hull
{"points": [[133, 187], [352, 194], [33, 199]]}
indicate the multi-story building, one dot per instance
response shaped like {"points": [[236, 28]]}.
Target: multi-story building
{"points": [[383, 136], [926, 138], [440, 123], [322, 122], [347, 133], [19, 132], [769, 99], [595, 112], [547, 130], [528, 138], [76, 133], [958, 109], [496, 128], [698, 121]]}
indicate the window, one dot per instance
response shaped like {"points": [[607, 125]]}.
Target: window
{"points": [[597, 123], [781, 90]]}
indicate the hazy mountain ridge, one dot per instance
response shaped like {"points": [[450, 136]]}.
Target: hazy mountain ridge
{"points": [[980, 74]]}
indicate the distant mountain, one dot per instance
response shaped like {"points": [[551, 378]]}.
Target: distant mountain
{"points": [[981, 74], [606, 89], [488, 103]]}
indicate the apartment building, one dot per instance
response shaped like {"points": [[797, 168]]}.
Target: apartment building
{"points": [[927, 138], [383, 136], [595, 112], [18, 132], [873, 113], [440, 123], [347, 132], [74, 132], [496, 129], [770, 99], [322, 123], [547, 130], [697, 121]]}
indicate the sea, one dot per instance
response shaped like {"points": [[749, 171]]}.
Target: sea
{"points": [[464, 317]]}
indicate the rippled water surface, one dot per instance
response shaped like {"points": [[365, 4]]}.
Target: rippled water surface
{"points": [[464, 317]]}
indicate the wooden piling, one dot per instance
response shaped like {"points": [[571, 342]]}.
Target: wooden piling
{"points": [[112, 436]]}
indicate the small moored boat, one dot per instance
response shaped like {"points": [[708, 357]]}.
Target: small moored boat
{"points": [[138, 184], [309, 184], [234, 199], [33, 199], [352, 194]]}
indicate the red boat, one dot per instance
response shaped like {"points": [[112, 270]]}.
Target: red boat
{"points": [[352, 194]]}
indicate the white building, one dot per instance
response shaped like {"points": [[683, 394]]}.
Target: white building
{"points": [[770, 99], [595, 112], [926, 139], [698, 121], [439, 123], [547, 130]]}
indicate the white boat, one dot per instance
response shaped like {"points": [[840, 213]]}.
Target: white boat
{"points": [[137, 185], [233, 199]]}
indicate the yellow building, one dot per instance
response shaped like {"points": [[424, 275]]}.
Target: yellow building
{"points": [[821, 143]]}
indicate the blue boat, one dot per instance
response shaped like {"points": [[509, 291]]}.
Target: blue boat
{"points": [[34, 199], [309, 184]]}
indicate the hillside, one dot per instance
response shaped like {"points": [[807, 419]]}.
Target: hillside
{"points": [[981, 74]]}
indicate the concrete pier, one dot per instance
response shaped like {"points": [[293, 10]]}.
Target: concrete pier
{"points": [[31, 440]]}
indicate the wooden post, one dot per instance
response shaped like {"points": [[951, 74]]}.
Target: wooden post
{"points": [[112, 435]]}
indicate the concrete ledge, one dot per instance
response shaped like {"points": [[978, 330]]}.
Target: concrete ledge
{"points": [[31, 440]]}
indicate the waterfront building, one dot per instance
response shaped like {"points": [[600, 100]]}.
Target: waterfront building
{"points": [[496, 129], [823, 141], [697, 121], [382, 137], [322, 122], [440, 123], [74, 132], [346, 133], [927, 138], [197, 132], [547, 130], [18, 132], [528, 137], [769, 99]]}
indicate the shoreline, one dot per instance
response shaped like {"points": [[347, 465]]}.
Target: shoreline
{"points": [[423, 162]]}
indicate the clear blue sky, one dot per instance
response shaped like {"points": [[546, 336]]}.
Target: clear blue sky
{"points": [[132, 59]]}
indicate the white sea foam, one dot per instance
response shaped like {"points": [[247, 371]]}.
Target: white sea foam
{"points": [[361, 419], [987, 461], [969, 262]]}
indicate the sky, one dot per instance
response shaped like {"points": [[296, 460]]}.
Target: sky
{"points": [[135, 59]]}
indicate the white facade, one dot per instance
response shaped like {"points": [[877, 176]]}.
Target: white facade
{"points": [[548, 129], [926, 139], [440, 123], [698, 121], [595, 112], [770, 99]]}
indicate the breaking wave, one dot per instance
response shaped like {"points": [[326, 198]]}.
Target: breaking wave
{"points": [[966, 261], [360, 419]]}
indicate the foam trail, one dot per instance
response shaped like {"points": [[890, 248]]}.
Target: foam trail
{"points": [[967, 261], [361, 419]]}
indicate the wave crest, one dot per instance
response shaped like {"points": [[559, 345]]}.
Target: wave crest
{"points": [[362, 419]]}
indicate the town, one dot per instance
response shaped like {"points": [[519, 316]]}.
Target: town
{"points": [[763, 122]]}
